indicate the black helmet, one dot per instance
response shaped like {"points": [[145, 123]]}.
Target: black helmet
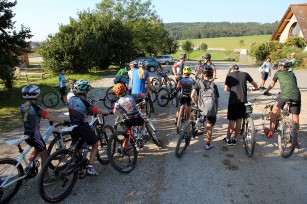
{"points": [[61, 69], [285, 63], [208, 71], [183, 55], [235, 66], [207, 56]]}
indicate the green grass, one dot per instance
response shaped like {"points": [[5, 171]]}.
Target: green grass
{"points": [[229, 42], [12, 99], [197, 55]]}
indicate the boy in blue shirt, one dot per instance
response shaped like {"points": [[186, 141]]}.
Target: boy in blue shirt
{"points": [[63, 81]]}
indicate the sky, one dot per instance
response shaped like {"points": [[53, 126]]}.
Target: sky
{"points": [[43, 17]]}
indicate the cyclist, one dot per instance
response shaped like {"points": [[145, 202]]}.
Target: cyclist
{"points": [[126, 104], [289, 92], [293, 62], [160, 73], [79, 109], [71, 92], [31, 116], [207, 75], [63, 81], [185, 86], [122, 75], [199, 67], [235, 83], [132, 65], [207, 58], [177, 70]]}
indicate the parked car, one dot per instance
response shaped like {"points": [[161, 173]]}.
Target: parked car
{"points": [[165, 59], [152, 63]]}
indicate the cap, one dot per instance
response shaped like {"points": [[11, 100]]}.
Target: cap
{"points": [[293, 53]]}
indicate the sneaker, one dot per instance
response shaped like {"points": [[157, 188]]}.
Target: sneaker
{"points": [[233, 141], [227, 141], [209, 146], [91, 171]]}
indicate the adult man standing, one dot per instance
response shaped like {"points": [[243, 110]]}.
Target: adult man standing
{"points": [[236, 84], [293, 62], [178, 70]]}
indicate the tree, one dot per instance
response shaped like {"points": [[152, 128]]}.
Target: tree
{"points": [[188, 47], [203, 47], [242, 43], [11, 42]]}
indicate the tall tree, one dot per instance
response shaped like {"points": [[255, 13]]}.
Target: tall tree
{"points": [[11, 42], [188, 47]]}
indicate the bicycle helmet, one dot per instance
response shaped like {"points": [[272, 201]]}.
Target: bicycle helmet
{"points": [[132, 64], [285, 63], [61, 69], [208, 71], [187, 70], [30, 92], [207, 57], [235, 66], [183, 55], [143, 63], [119, 88], [82, 86]]}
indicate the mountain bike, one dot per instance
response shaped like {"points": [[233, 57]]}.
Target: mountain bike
{"points": [[51, 98], [285, 127], [182, 116], [169, 83], [69, 165], [164, 96], [12, 173], [248, 130]]}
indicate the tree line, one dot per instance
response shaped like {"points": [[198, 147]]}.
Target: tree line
{"points": [[182, 31]]}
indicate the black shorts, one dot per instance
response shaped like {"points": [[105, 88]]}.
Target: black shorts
{"points": [[85, 132], [63, 91], [236, 111], [39, 145], [134, 121], [211, 120], [264, 75], [295, 106], [185, 100]]}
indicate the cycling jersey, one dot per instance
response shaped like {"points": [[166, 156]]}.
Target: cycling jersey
{"points": [[121, 72], [127, 104], [186, 85], [138, 85], [179, 68], [62, 80], [79, 109]]}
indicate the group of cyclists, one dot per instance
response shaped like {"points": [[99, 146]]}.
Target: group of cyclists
{"points": [[131, 85]]}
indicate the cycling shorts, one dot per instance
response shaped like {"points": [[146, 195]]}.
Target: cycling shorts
{"points": [[39, 145], [236, 111], [295, 106], [185, 100], [85, 132]]}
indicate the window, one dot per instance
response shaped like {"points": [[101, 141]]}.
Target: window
{"points": [[294, 30]]}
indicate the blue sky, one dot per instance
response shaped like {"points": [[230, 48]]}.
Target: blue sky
{"points": [[44, 16]]}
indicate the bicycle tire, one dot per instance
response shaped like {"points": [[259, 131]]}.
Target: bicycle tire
{"points": [[109, 100], [266, 116], [148, 108], [60, 174], [171, 83], [180, 119], [153, 134], [120, 158], [150, 100], [155, 83], [6, 164], [50, 99], [163, 97], [249, 136], [103, 132], [109, 90], [287, 137], [184, 139]]}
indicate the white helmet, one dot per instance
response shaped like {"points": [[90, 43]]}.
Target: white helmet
{"points": [[143, 63], [30, 92], [82, 86]]}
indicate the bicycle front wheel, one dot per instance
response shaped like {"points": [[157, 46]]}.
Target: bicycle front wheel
{"points": [[171, 84], [153, 134], [155, 83], [109, 100], [249, 136], [9, 171], [50, 99], [61, 179], [103, 132], [163, 97], [184, 139], [287, 137], [123, 159], [180, 119]]}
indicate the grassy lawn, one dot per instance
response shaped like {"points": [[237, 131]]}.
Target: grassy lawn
{"points": [[12, 99], [197, 55]]}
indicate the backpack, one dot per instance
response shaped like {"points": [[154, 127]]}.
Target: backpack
{"points": [[207, 99]]}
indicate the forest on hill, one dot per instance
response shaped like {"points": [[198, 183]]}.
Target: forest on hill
{"points": [[182, 31]]}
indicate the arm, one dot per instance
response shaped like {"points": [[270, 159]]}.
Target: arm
{"points": [[226, 88], [149, 85], [117, 113], [193, 97], [101, 111], [254, 84], [54, 119], [269, 87], [174, 69]]}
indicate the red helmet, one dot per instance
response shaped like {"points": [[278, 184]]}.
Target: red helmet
{"points": [[119, 88]]}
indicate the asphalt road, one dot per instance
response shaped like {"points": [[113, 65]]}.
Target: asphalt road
{"points": [[221, 175]]}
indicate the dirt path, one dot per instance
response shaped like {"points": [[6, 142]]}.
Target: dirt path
{"points": [[221, 175]]}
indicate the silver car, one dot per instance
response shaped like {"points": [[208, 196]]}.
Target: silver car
{"points": [[165, 59]]}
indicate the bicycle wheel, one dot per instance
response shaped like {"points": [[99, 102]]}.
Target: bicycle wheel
{"points": [[8, 174], [122, 159], [155, 83], [266, 116], [109, 90], [153, 96], [50, 99], [103, 132], [184, 139], [287, 137], [148, 108], [171, 84], [249, 136], [153, 134], [163, 97], [64, 176], [110, 100], [180, 119]]}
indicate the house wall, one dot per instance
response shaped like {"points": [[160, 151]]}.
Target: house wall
{"points": [[285, 33]]}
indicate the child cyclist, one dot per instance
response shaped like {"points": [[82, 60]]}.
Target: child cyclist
{"points": [[160, 73], [185, 86], [126, 104], [79, 109], [31, 116]]}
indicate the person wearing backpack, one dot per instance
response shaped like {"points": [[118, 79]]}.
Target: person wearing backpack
{"points": [[207, 101], [236, 84]]}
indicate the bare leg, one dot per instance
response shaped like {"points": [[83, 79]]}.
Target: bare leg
{"points": [[93, 153], [231, 125], [238, 127], [209, 133], [273, 118]]}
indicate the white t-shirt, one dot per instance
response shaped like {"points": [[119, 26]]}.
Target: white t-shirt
{"points": [[69, 95]]}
